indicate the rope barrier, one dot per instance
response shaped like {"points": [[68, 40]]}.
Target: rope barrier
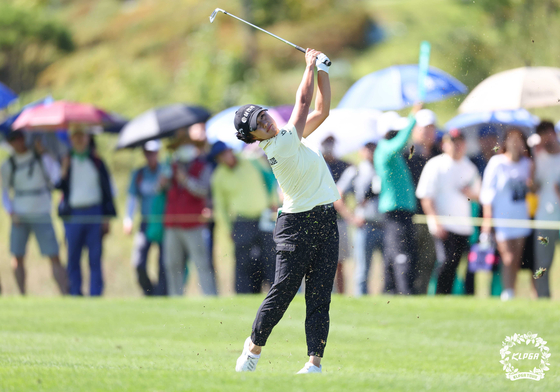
{"points": [[417, 219], [468, 221], [179, 218]]}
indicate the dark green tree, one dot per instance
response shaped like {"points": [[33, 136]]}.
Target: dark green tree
{"points": [[29, 42]]}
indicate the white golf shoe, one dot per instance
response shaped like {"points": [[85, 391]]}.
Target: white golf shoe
{"points": [[310, 368], [507, 295], [247, 362]]}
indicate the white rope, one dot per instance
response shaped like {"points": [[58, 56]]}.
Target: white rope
{"points": [[417, 219], [468, 221]]}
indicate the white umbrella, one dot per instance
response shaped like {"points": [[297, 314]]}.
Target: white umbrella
{"points": [[351, 128], [527, 87], [220, 127]]}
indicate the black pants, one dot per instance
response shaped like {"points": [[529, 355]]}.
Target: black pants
{"points": [[140, 260], [306, 246], [399, 244], [449, 252], [254, 256]]}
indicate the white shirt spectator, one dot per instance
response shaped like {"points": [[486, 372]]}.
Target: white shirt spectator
{"points": [[31, 183], [85, 186], [302, 172], [547, 176], [504, 186], [443, 180]]}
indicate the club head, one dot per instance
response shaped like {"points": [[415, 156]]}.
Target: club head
{"points": [[213, 16]]}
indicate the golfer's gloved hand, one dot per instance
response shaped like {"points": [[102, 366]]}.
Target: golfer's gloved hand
{"points": [[320, 63]]}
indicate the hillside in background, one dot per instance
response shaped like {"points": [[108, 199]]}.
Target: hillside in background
{"points": [[136, 54]]}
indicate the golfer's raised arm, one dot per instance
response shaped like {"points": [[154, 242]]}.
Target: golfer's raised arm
{"points": [[304, 94], [322, 100]]}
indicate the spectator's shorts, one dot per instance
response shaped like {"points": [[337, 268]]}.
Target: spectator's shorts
{"points": [[344, 243], [41, 226]]}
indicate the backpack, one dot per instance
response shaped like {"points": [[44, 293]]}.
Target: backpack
{"points": [[36, 158]]}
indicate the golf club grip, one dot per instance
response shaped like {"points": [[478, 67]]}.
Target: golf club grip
{"points": [[327, 63]]}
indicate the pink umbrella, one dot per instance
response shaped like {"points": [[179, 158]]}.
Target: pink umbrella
{"points": [[58, 115]]}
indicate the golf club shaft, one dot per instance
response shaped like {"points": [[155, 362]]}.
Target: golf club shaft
{"points": [[328, 63]]}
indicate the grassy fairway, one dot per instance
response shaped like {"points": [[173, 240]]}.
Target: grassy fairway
{"points": [[191, 344]]}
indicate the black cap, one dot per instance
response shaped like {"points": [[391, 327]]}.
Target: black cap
{"points": [[246, 118], [14, 135]]}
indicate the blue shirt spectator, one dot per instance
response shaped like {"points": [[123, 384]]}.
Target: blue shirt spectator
{"points": [[145, 185]]}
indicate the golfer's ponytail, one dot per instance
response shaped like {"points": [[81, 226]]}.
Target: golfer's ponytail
{"points": [[245, 137]]}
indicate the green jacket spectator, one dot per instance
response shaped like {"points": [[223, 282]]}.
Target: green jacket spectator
{"points": [[397, 188]]}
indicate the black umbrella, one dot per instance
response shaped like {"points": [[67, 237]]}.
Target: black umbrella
{"points": [[159, 123]]}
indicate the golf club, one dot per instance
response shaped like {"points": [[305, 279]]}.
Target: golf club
{"points": [[213, 16]]}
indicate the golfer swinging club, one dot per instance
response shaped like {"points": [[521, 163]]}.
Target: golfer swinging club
{"points": [[306, 233]]}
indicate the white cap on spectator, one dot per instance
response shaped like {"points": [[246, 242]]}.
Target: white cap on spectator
{"points": [[425, 117], [152, 145], [533, 140]]}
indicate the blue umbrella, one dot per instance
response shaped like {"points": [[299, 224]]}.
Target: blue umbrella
{"points": [[6, 126], [396, 87], [518, 117], [7, 96]]}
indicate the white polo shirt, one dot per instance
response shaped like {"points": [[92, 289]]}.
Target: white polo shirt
{"points": [[443, 180], [301, 171]]}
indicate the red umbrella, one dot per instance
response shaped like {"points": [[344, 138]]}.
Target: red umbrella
{"points": [[58, 115]]}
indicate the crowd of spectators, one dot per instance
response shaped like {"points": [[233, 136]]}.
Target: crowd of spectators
{"points": [[412, 170]]}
